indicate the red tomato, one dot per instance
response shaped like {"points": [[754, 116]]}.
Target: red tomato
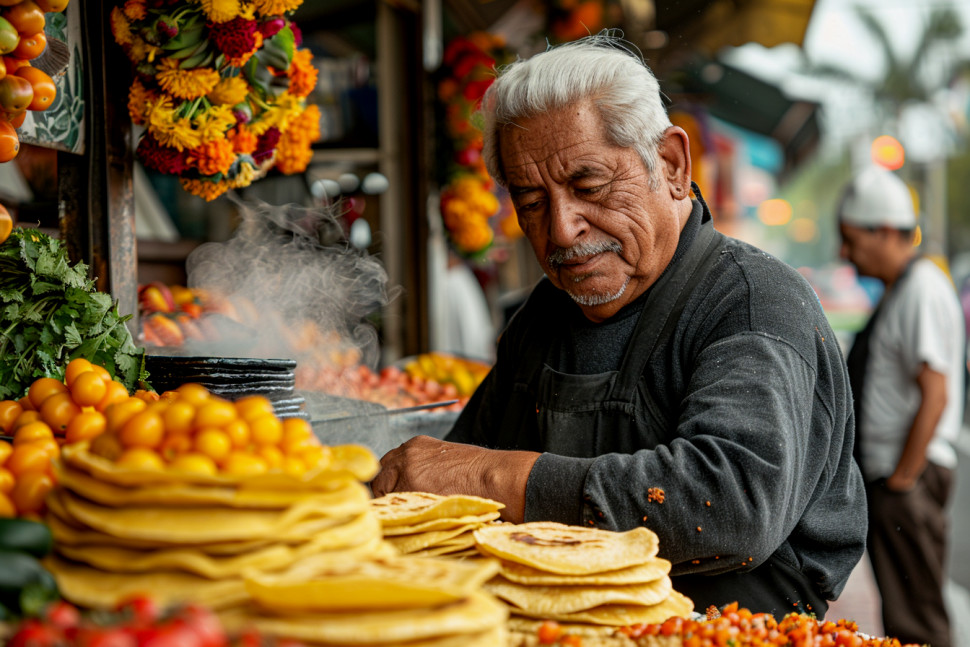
{"points": [[34, 633], [141, 609], [94, 636], [62, 614]]}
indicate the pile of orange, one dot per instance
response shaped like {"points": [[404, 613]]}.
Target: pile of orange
{"points": [[22, 87]]}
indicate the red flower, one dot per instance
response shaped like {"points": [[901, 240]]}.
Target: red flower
{"points": [[160, 158], [266, 144], [234, 37]]}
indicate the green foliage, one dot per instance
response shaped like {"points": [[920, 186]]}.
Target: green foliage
{"points": [[50, 313]]}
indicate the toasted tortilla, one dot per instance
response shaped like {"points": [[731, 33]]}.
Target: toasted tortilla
{"points": [[471, 616], [187, 494], [93, 588], [340, 463], [200, 525], [557, 600], [620, 615], [411, 543], [362, 530], [651, 570], [567, 550], [441, 524], [412, 508], [403, 582]]}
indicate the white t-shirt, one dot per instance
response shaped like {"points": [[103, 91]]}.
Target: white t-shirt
{"points": [[921, 321]]}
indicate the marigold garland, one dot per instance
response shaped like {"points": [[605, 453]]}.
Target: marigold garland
{"points": [[221, 88]]}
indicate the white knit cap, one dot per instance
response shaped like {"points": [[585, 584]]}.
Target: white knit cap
{"points": [[877, 198]]}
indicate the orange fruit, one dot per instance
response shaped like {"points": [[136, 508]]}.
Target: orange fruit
{"points": [[6, 223]]}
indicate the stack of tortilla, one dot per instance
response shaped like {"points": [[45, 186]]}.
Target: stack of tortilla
{"points": [[432, 525], [400, 600], [585, 576], [182, 537]]}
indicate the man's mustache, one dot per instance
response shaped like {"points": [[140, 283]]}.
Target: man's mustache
{"points": [[564, 254]]}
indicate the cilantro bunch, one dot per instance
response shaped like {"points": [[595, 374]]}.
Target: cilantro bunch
{"points": [[50, 313]]}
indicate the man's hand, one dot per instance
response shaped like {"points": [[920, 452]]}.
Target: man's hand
{"points": [[425, 464]]}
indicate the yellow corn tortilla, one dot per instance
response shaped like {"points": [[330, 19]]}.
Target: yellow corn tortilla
{"points": [[557, 600], [343, 461], [470, 616], [620, 615], [187, 494], [441, 524], [648, 571], [567, 550], [363, 530], [412, 508], [403, 582], [96, 589], [187, 526], [411, 543]]}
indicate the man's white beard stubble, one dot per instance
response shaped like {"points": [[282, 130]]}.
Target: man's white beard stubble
{"points": [[562, 255]]}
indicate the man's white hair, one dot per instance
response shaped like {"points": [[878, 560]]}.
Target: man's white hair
{"points": [[602, 68]]}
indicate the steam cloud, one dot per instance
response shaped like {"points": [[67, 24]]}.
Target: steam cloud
{"points": [[289, 265]]}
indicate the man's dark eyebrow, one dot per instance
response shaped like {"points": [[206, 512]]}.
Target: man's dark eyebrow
{"points": [[515, 190], [582, 171]]}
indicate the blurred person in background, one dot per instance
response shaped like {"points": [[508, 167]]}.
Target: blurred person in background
{"points": [[907, 373]]}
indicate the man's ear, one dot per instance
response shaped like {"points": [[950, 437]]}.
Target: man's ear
{"points": [[674, 151]]}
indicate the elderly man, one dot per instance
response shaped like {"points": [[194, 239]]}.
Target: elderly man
{"points": [[661, 374]]}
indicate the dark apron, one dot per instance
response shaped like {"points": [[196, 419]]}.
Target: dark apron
{"points": [[590, 415]]}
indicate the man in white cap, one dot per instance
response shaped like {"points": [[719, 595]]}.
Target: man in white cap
{"points": [[906, 369]]}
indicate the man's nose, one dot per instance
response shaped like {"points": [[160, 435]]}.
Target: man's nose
{"points": [[566, 222]]}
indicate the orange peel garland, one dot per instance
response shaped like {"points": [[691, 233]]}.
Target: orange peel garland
{"points": [[221, 88]]}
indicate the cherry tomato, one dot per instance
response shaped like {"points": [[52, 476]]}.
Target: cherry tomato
{"points": [[215, 413], [26, 17], [27, 458], [17, 119], [121, 412], [238, 432], [9, 410], [107, 446], [88, 389], [7, 481], [294, 466], [252, 406], [25, 418], [6, 221], [74, 368], [244, 464], [144, 429], [116, 392], [34, 633], [173, 446], [193, 463], [266, 429], [194, 394], [272, 454], [7, 510], [213, 442], [32, 432], [98, 636], [141, 458], [43, 86], [85, 426], [62, 615], [29, 48], [30, 490], [103, 372], [179, 417], [204, 624], [58, 409], [26, 404], [43, 387], [5, 450], [142, 608]]}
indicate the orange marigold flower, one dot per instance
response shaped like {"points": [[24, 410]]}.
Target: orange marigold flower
{"points": [[205, 189], [293, 155], [275, 7], [120, 27], [221, 10], [212, 157], [239, 61], [186, 84], [302, 73], [243, 140], [135, 9], [140, 100], [229, 91]]}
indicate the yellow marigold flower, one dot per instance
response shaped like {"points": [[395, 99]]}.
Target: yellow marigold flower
{"points": [[172, 132], [185, 84], [142, 50], [276, 7], [135, 9], [302, 74], [221, 10], [244, 177], [160, 113], [215, 156], [214, 122], [204, 189], [140, 101], [229, 91], [243, 140], [120, 27]]}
